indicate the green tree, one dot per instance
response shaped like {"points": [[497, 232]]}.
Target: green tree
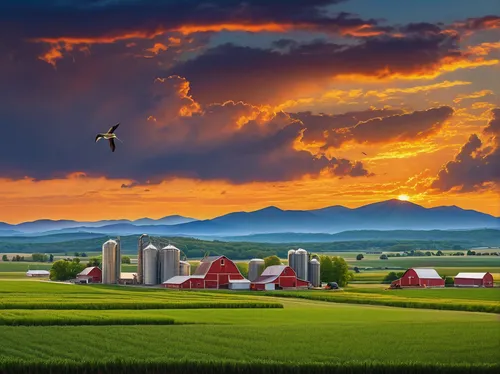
{"points": [[51, 258], [125, 260], [439, 253], [5, 258], [93, 261], [360, 257], [392, 276], [77, 254], [272, 260], [341, 273], [39, 257], [326, 269], [383, 257], [63, 270]]}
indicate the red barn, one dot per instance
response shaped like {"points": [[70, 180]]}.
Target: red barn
{"points": [[419, 277], [90, 275], [213, 272], [474, 280], [278, 277]]}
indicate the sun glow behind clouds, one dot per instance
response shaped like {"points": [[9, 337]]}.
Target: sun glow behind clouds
{"points": [[404, 197]]}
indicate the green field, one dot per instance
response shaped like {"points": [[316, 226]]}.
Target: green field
{"points": [[320, 334]]}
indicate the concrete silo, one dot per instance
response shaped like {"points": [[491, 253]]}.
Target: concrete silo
{"points": [[111, 262], [169, 259], [184, 268], [291, 258], [314, 273], [150, 265], [255, 268], [301, 262]]}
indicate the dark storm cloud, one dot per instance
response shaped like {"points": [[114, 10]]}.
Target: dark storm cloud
{"points": [[272, 76], [83, 20], [317, 124], [184, 139], [373, 126], [474, 167]]}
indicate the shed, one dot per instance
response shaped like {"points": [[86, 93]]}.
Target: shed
{"points": [[419, 277], [239, 284], [92, 274], [474, 280], [278, 277], [213, 272], [37, 273]]}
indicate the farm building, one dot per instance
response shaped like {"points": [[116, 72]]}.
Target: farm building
{"points": [[213, 272], [419, 277], [474, 280], [37, 273], [127, 278], [91, 274], [278, 277]]}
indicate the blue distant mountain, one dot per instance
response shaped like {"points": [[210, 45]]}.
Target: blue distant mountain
{"points": [[385, 215]]}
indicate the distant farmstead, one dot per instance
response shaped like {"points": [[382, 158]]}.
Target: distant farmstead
{"points": [[278, 277], [474, 280], [91, 274], [419, 277], [213, 272], [37, 273]]}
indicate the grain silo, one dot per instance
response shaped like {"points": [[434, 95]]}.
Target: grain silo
{"points": [[169, 259], [301, 262], [110, 262], [314, 273], [184, 268], [150, 265], [291, 258], [140, 266], [255, 268]]}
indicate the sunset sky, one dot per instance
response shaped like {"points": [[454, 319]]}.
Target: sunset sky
{"points": [[232, 105]]}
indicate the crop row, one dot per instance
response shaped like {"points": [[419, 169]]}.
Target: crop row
{"points": [[79, 321], [374, 299], [230, 367], [137, 305]]}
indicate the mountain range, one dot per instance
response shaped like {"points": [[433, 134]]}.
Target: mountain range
{"points": [[384, 215]]}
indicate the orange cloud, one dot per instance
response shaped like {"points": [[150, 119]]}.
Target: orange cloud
{"points": [[474, 95]]}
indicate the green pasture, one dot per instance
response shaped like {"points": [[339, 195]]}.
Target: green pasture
{"points": [[429, 261], [473, 300], [305, 332]]}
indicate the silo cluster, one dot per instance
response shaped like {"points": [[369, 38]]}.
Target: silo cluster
{"points": [[111, 261], [159, 265], [305, 267]]}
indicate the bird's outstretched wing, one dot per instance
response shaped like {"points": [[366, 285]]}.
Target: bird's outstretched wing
{"points": [[112, 144], [98, 136], [112, 129]]}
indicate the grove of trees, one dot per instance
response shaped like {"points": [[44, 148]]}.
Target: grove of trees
{"points": [[271, 260], [63, 270], [334, 269]]}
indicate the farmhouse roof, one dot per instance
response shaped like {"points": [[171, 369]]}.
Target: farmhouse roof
{"points": [[471, 275], [205, 264], [87, 271], [179, 279], [427, 273], [273, 270], [38, 272]]}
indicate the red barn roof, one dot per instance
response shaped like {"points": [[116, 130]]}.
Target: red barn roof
{"points": [[88, 270]]}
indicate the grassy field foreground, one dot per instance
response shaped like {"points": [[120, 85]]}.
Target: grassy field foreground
{"points": [[305, 336]]}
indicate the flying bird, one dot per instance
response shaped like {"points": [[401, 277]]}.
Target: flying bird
{"points": [[110, 136], [364, 153]]}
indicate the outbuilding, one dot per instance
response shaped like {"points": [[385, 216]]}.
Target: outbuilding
{"points": [[474, 280], [38, 273], [278, 277], [92, 274], [213, 272], [419, 277]]}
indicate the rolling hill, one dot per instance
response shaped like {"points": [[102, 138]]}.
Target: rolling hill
{"points": [[385, 215]]}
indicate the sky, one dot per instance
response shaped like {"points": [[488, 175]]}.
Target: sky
{"points": [[237, 105]]}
